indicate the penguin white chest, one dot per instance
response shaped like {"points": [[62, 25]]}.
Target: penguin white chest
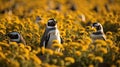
{"points": [[53, 35]]}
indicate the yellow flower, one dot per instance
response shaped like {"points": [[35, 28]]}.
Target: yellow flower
{"points": [[73, 36], [91, 56], [110, 37], [69, 59], [28, 47], [16, 27], [43, 50], [114, 48], [99, 59], [92, 46], [108, 41], [109, 33], [37, 35], [2, 32], [63, 33], [118, 29], [21, 45], [82, 29], [118, 62], [113, 65], [88, 27], [54, 61], [57, 45], [13, 44], [55, 41], [74, 44], [103, 50], [88, 41], [2, 55], [49, 51], [36, 28], [38, 50], [68, 40], [4, 44], [53, 65], [93, 30], [69, 16], [58, 53], [20, 57], [98, 45], [5, 41], [2, 26], [15, 30], [85, 48], [78, 53], [103, 43], [14, 63], [62, 63], [29, 36], [82, 33], [80, 41], [65, 45], [26, 52], [91, 65], [0, 48], [34, 52], [113, 57], [68, 26], [35, 59], [46, 65]]}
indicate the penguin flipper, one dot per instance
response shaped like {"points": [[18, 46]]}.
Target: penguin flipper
{"points": [[104, 38], [61, 40], [47, 39], [42, 43]]}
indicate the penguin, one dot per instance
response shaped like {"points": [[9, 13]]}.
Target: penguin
{"points": [[16, 37], [58, 7], [73, 7], [99, 34], [51, 33], [82, 16], [96, 9], [38, 19], [107, 7]]}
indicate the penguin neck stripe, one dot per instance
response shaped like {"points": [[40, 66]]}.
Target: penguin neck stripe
{"points": [[51, 26]]}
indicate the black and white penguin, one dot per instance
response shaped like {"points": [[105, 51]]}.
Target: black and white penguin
{"points": [[51, 33], [99, 34], [16, 37], [38, 19]]}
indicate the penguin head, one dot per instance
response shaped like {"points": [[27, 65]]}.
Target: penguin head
{"points": [[13, 35], [52, 22], [97, 25]]}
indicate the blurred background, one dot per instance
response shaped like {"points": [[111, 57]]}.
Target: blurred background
{"points": [[24, 8]]}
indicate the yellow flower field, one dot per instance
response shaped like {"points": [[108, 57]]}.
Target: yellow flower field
{"points": [[74, 18]]}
